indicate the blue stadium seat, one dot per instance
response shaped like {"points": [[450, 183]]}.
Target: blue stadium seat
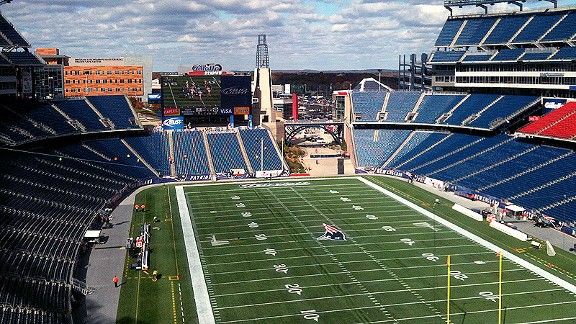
{"points": [[415, 141], [540, 175], [367, 104], [535, 56], [455, 154], [563, 212], [252, 139], [508, 55], [472, 105], [506, 28], [154, 149], [505, 108], [433, 106], [477, 58], [11, 34], [118, 153], [115, 108], [550, 193], [475, 30], [51, 118], [190, 155], [563, 31], [400, 104], [4, 61], [537, 27], [16, 128], [427, 154], [226, 152], [449, 30], [374, 147], [565, 53], [79, 109], [447, 56], [505, 148], [23, 58]]}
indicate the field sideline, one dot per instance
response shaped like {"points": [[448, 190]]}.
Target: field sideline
{"points": [[261, 259]]}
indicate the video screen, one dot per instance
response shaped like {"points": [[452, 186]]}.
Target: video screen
{"points": [[193, 95]]}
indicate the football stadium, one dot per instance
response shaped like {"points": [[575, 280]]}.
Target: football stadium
{"points": [[460, 206]]}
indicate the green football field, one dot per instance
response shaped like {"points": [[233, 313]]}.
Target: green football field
{"points": [[264, 258]]}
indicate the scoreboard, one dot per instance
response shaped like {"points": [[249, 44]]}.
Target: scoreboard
{"points": [[206, 99], [191, 95]]}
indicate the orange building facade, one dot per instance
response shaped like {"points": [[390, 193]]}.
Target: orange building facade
{"points": [[96, 76], [103, 80]]}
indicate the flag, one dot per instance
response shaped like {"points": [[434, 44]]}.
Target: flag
{"points": [[550, 249]]}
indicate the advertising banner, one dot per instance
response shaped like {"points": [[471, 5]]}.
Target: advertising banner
{"points": [[173, 123], [242, 110], [553, 103], [154, 98], [236, 94], [171, 111]]}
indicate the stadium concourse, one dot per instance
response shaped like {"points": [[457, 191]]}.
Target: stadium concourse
{"points": [[67, 164]]}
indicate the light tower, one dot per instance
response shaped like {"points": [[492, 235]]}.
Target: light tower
{"points": [[263, 83], [262, 59]]}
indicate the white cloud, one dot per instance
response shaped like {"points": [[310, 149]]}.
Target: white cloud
{"points": [[302, 34]]}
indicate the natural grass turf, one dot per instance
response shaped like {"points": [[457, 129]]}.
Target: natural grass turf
{"points": [[141, 299], [371, 277]]}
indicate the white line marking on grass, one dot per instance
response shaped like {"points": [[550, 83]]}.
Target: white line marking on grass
{"points": [[384, 268], [226, 200], [344, 273], [335, 260], [485, 311], [314, 265], [243, 231], [560, 282], [378, 281], [556, 320], [385, 292], [201, 296], [418, 257]]}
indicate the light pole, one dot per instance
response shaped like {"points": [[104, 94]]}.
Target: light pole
{"points": [[51, 87], [379, 76]]}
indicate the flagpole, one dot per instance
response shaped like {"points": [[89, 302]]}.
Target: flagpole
{"points": [[261, 154], [500, 290], [448, 293]]}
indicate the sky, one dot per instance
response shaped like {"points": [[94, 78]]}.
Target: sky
{"points": [[301, 34]]}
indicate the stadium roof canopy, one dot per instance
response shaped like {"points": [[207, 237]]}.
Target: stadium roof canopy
{"points": [[449, 4]]}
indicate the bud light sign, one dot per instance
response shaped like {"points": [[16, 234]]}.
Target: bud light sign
{"points": [[173, 123]]}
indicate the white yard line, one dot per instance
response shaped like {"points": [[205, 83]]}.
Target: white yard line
{"points": [[313, 216], [236, 233], [350, 262], [343, 273], [389, 305], [381, 280], [324, 255], [201, 297], [560, 282], [555, 320]]}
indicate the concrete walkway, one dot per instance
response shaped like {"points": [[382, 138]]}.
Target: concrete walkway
{"points": [[106, 261]]}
